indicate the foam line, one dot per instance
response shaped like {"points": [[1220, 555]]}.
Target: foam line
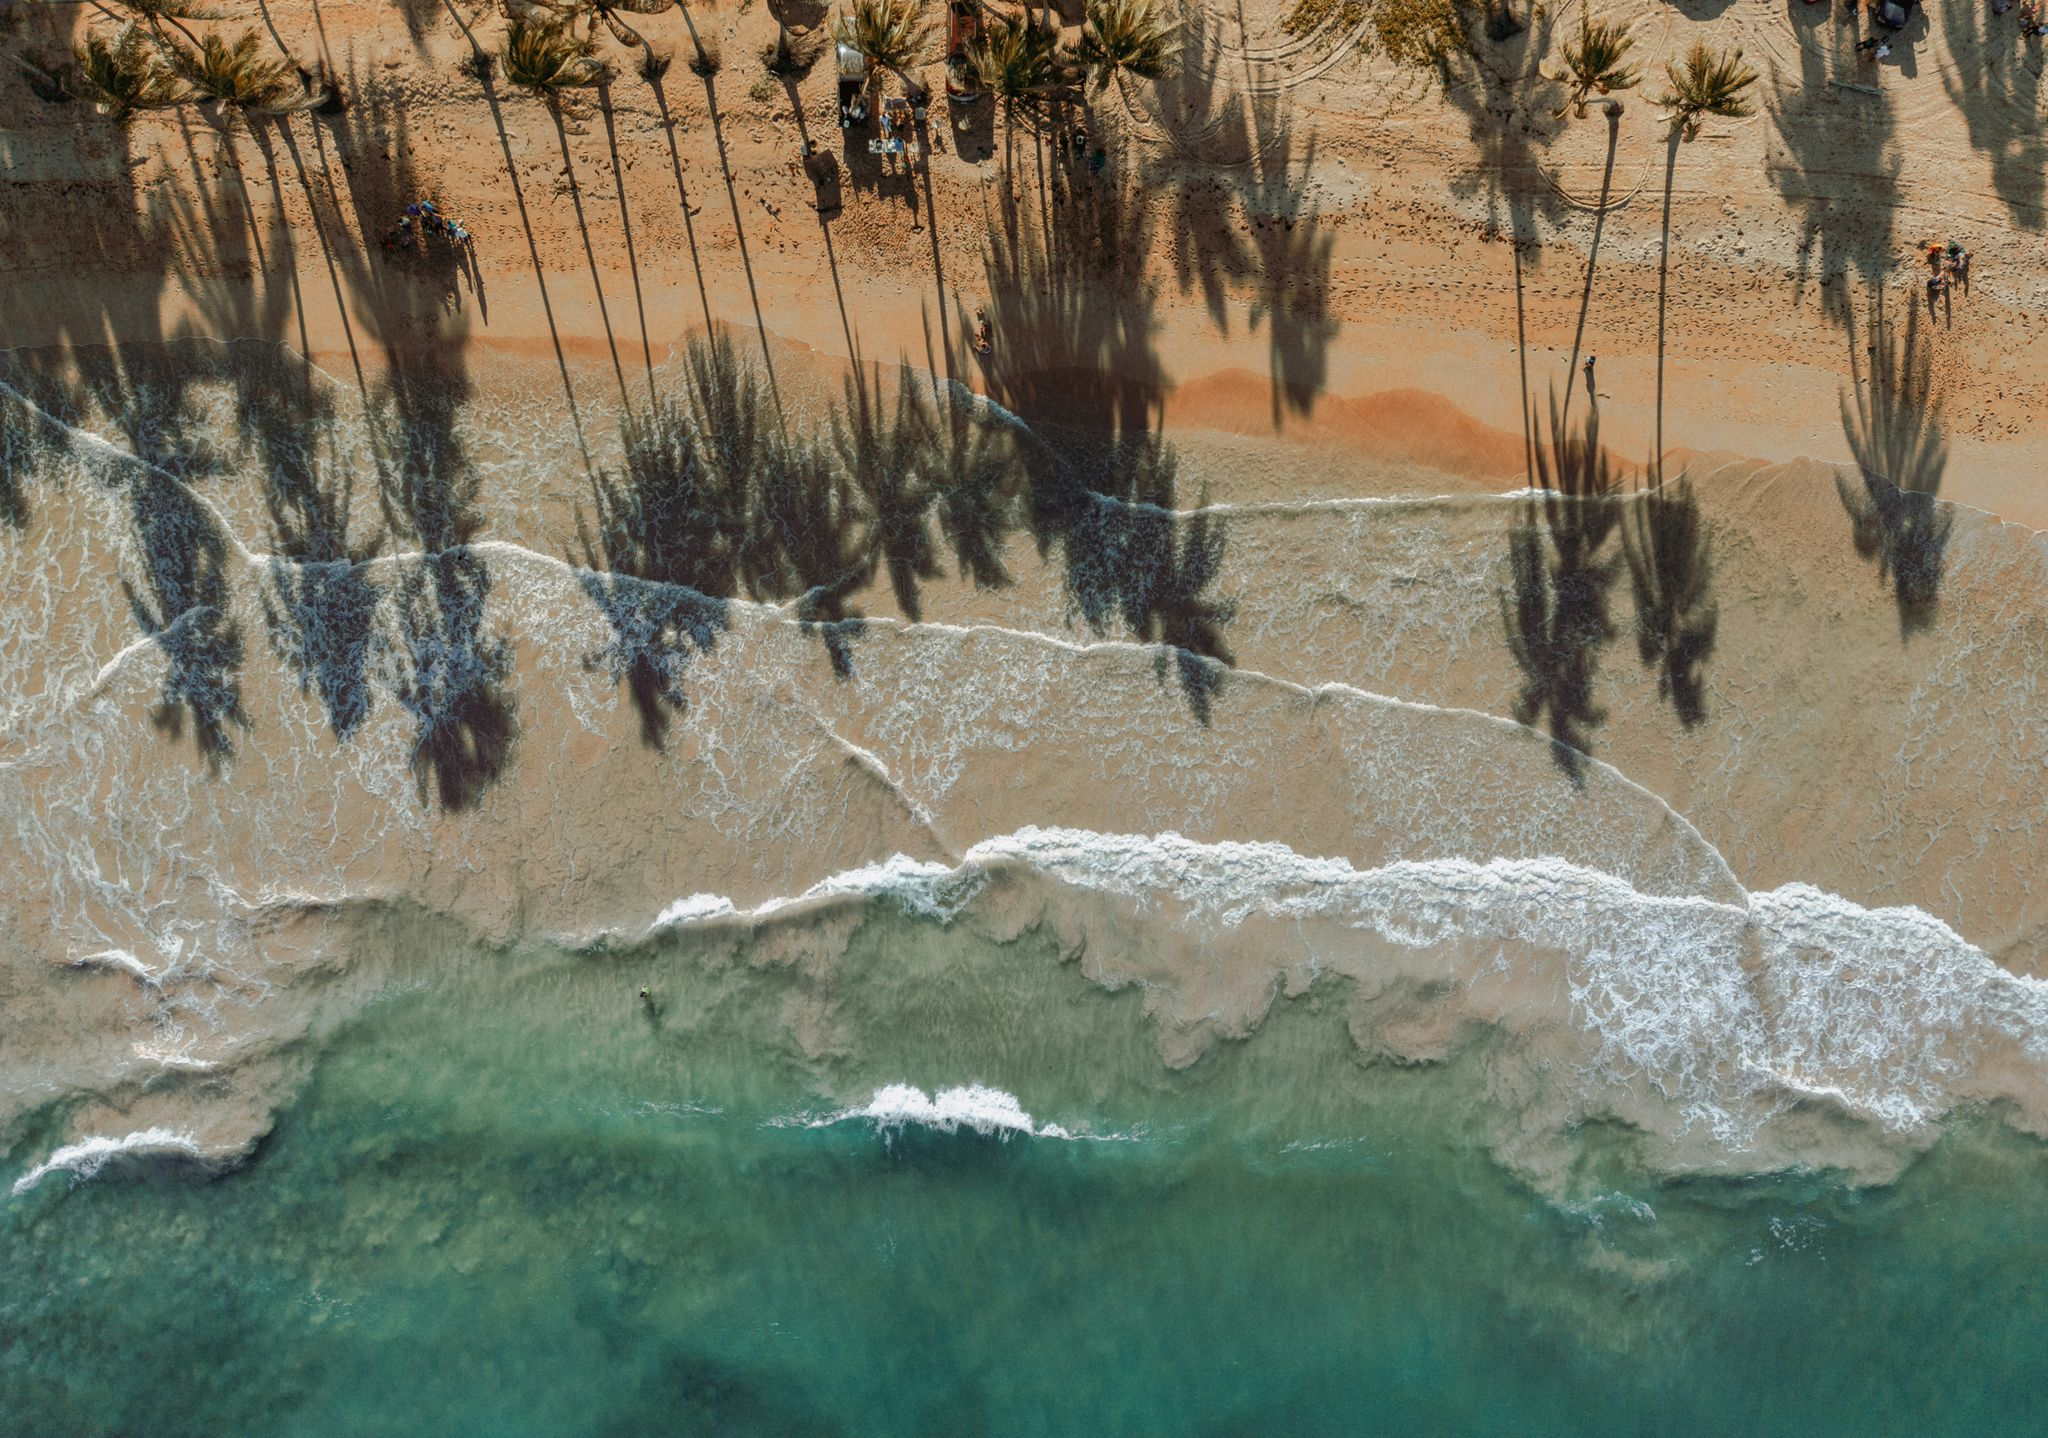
{"points": [[88, 1156]]}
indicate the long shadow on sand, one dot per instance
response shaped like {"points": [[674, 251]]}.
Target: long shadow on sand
{"points": [[1995, 82], [1235, 147], [1840, 168], [1892, 420], [1071, 307], [447, 668], [320, 604], [1557, 618]]}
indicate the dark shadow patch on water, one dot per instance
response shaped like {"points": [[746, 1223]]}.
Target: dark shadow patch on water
{"points": [[183, 604], [1556, 619], [1671, 571], [700, 1393], [660, 549], [450, 677]]}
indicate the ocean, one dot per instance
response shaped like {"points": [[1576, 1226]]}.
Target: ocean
{"points": [[512, 1198]]}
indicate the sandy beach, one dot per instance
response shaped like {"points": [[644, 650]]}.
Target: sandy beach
{"points": [[1332, 232], [1130, 626]]}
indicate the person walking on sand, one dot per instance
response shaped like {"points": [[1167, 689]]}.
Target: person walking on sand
{"points": [[1588, 367]]}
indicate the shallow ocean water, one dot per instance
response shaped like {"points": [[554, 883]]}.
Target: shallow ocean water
{"points": [[510, 1199]]}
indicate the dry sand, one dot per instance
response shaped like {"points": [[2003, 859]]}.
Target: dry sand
{"points": [[1316, 250]]}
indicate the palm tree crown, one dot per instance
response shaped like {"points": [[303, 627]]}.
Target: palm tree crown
{"points": [[1123, 37], [1597, 60], [128, 75], [236, 74], [1707, 84], [888, 32], [1019, 60], [544, 57]]}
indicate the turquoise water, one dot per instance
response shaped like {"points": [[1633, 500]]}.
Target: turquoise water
{"points": [[510, 1200]]}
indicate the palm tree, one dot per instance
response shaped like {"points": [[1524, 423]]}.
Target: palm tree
{"points": [[544, 57], [1123, 37], [890, 33], [128, 75], [1708, 84], [237, 77], [1597, 60], [1020, 61]]}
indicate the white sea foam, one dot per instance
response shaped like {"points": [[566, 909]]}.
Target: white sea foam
{"points": [[119, 960], [987, 1111], [1730, 1013], [87, 1157], [931, 890], [695, 908]]}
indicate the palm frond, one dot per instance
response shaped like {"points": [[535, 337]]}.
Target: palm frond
{"points": [[127, 75], [238, 74], [1123, 37], [1707, 84], [889, 32], [1598, 60], [545, 57]]}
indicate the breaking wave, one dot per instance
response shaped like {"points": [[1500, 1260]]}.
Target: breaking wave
{"points": [[86, 1158], [1689, 1015], [989, 1112]]}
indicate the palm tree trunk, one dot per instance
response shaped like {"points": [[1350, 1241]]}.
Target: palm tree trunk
{"points": [[1663, 277], [691, 25], [615, 24], [1592, 259], [1522, 355]]}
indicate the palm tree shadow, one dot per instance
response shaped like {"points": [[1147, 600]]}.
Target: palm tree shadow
{"points": [[1072, 306], [886, 450], [24, 436], [1670, 565], [1841, 169], [1892, 421], [972, 462], [320, 608], [320, 604], [1997, 91], [805, 539], [183, 606], [450, 678], [1129, 554], [1511, 106], [448, 671], [661, 552], [1285, 250], [1556, 619]]}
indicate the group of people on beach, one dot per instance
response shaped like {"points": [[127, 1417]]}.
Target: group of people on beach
{"points": [[2033, 17], [421, 219], [1947, 266]]}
